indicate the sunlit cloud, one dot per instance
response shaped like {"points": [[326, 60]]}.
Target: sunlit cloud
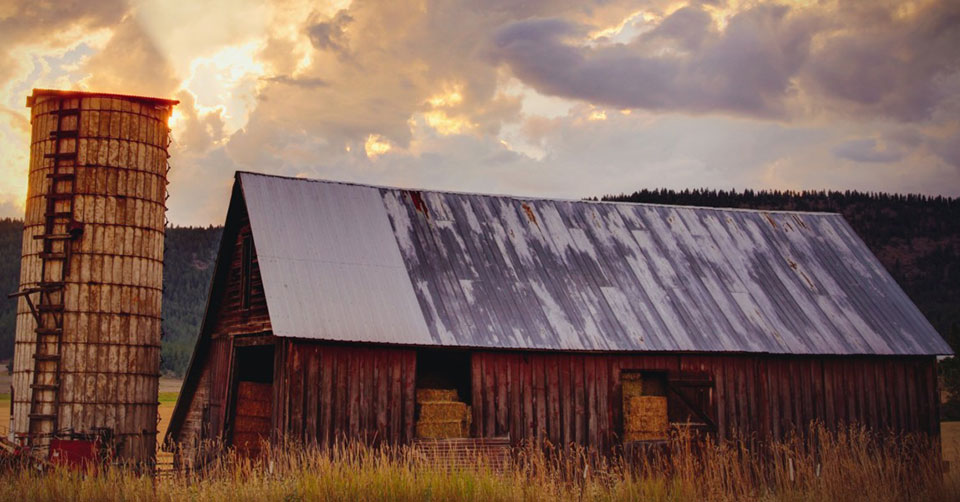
{"points": [[376, 146], [227, 81]]}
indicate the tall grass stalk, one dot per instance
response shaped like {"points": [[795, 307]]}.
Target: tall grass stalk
{"points": [[850, 465]]}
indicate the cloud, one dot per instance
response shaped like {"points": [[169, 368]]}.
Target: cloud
{"points": [[130, 64], [681, 65], [331, 34], [870, 61], [867, 150], [888, 64], [548, 97]]}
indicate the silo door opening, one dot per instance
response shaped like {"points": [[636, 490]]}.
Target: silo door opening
{"points": [[443, 394], [252, 408]]}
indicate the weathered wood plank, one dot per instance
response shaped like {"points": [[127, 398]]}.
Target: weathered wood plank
{"points": [[476, 389], [489, 396], [540, 397], [381, 385], [552, 369], [590, 385], [395, 401], [502, 404], [566, 400], [409, 394], [312, 389], [579, 410]]}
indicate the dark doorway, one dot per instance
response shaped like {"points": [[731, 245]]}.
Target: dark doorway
{"points": [[443, 394], [443, 369], [253, 405]]}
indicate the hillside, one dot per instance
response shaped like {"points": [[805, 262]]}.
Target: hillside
{"points": [[917, 238]]}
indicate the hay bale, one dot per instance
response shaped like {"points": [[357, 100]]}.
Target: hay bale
{"points": [[632, 385], [630, 436], [439, 429], [443, 410], [645, 416], [428, 395]]}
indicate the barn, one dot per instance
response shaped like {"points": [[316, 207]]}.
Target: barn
{"points": [[340, 310]]}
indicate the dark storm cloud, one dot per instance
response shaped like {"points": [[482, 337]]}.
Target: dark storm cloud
{"points": [[745, 69], [891, 66], [866, 60]]}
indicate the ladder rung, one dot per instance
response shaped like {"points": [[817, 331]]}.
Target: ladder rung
{"points": [[61, 176], [53, 256], [44, 386], [60, 195], [64, 134], [54, 237], [51, 284], [46, 357], [69, 111], [58, 214], [42, 416], [50, 307], [49, 331], [61, 155]]}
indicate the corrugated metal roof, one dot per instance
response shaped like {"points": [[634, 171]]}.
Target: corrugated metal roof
{"points": [[358, 263]]}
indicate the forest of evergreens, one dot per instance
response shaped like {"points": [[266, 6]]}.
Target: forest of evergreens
{"points": [[916, 237]]}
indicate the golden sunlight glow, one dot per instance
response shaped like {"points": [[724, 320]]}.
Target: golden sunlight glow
{"points": [[451, 96], [612, 31], [227, 80], [175, 119], [445, 124], [598, 115], [376, 146]]}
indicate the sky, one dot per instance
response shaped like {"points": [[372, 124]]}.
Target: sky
{"points": [[553, 98]]}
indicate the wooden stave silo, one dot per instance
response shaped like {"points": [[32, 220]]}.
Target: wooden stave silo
{"points": [[106, 373]]}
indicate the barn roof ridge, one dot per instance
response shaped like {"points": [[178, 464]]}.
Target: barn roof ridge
{"points": [[537, 197]]}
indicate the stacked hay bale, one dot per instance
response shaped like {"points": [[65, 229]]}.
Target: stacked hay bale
{"points": [[644, 415], [442, 414]]}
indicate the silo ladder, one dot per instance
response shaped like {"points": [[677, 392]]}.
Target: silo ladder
{"points": [[60, 231]]}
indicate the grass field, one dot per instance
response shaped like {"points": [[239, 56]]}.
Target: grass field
{"points": [[169, 389], [851, 465], [894, 471]]}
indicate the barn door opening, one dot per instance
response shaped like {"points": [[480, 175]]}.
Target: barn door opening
{"points": [[443, 394], [253, 404], [656, 401]]}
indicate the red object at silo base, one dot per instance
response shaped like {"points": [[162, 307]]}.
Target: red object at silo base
{"points": [[73, 452]]}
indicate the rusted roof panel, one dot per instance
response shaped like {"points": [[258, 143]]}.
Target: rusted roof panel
{"points": [[359, 263]]}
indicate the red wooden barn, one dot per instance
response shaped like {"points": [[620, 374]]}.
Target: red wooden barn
{"points": [[333, 303]]}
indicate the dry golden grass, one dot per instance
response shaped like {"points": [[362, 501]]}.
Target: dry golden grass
{"points": [[852, 465]]}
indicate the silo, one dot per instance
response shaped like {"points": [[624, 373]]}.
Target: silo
{"points": [[88, 316]]}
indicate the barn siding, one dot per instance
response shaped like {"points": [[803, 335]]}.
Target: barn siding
{"points": [[206, 413], [577, 397], [328, 392]]}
